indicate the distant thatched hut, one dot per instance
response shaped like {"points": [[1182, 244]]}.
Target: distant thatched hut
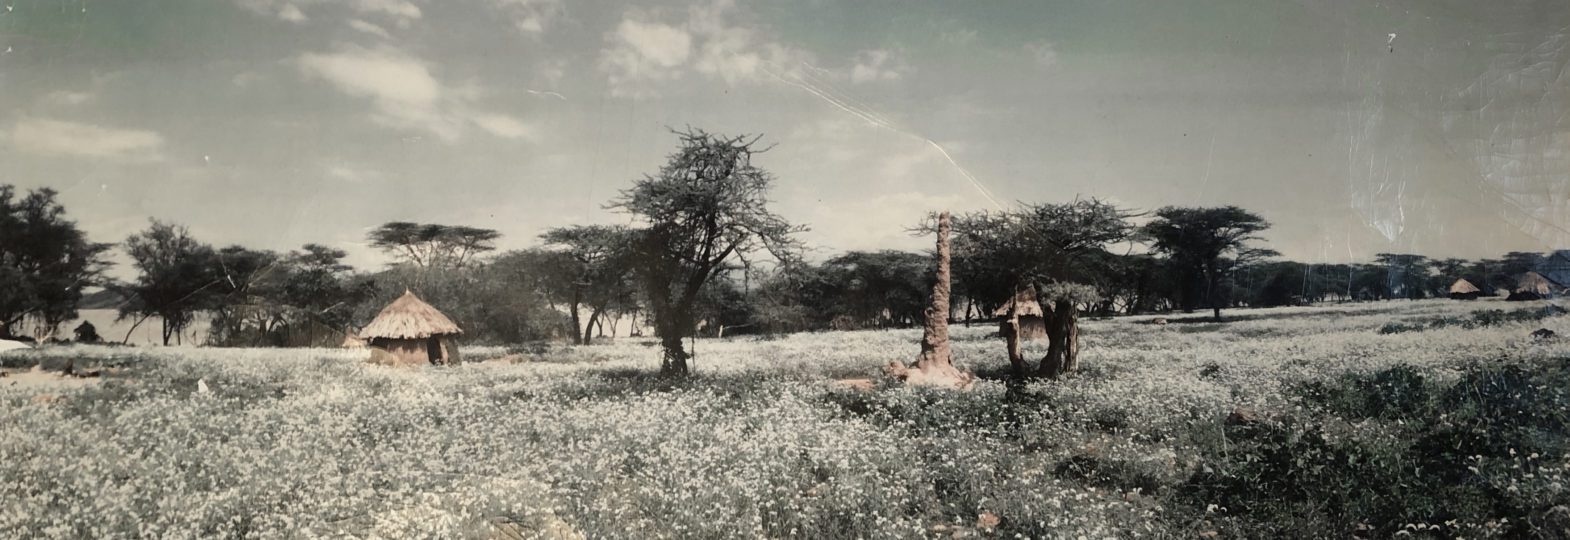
{"points": [[409, 332], [1464, 290], [1533, 286], [1556, 267], [1032, 323]]}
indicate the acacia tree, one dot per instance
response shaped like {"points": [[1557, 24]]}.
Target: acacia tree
{"points": [[1207, 243], [1041, 249], [247, 281], [706, 206], [429, 245], [1064, 236], [1406, 275], [45, 261], [317, 289], [867, 289], [176, 277], [601, 264]]}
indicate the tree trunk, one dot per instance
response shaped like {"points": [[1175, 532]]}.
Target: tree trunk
{"points": [[578, 334], [674, 360], [588, 329], [1212, 283], [935, 365], [672, 324], [1062, 321], [1071, 343], [1011, 336], [132, 330]]}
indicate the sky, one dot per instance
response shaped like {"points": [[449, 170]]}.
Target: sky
{"points": [[1439, 127]]}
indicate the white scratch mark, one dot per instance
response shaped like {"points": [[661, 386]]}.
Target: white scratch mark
{"points": [[872, 117], [546, 93]]}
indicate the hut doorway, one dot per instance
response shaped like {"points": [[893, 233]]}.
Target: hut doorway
{"points": [[433, 349]]}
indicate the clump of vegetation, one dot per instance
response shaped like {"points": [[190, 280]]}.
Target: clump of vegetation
{"points": [[1472, 458], [1476, 319]]}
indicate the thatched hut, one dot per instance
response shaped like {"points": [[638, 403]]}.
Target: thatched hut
{"points": [[1032, 322], [1464, 290], [1533, 286], [1556, 267], [409, 332]]}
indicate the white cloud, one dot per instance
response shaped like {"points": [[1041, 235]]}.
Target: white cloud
{"points": [[404, 92], [1043, 52], [385, 75], [246, 78], [291, 13], [369, 28], [401, 12], [504, 126], [642, 53], [531, 16], [401, 87], [67, 97], [877, 65], [353, 174], [663, 45], [71, 139], [958, 36]]}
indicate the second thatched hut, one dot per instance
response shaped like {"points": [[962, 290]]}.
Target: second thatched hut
{"points": [[1032, 323], [1533, 286], [1464, 290], [409, 332]]}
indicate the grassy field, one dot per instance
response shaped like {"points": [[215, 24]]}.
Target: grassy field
{"points": [[1422, 419]]}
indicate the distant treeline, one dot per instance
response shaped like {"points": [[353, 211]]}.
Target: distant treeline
{"points": [[692, 268]]}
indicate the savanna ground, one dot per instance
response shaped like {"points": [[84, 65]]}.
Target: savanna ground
{"points": [[1422, 419]]}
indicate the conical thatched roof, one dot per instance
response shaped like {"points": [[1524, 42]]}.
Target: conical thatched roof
{"points": [[408, 317], [1462, 286], [1533, 282], [1028, 306]]}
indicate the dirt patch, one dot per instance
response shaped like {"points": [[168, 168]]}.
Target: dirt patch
{"points": [[865, 385], [38, 379]]}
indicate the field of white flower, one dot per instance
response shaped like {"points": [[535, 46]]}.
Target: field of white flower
{"points": [[1418, 418]]}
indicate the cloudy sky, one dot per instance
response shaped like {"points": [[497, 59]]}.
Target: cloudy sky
{"points": [[1435, 126]]}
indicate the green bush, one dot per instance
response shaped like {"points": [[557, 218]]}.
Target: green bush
{"points": [[1432, 455]]}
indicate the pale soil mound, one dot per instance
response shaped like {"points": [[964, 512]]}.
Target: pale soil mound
{"points": [[37, 379]]}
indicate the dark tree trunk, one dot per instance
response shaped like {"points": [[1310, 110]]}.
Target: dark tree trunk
{"points": [[674, 360], [578, 333], [672, 324], [1212, 293], [133, 328], [1062, 321], [588, 330]]}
